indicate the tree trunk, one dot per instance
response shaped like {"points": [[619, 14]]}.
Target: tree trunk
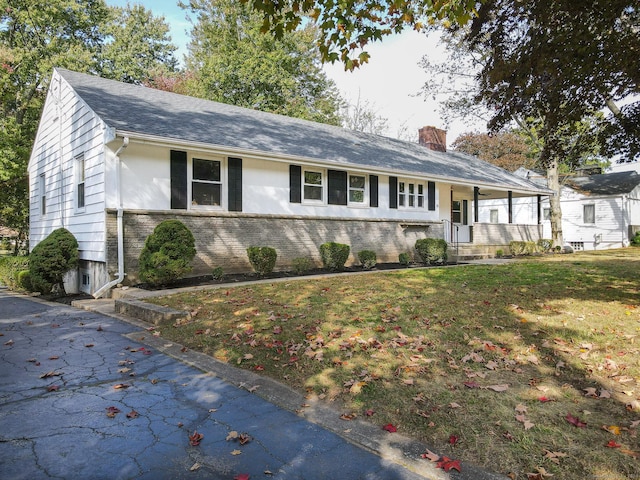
{"points": [[553, 182]]}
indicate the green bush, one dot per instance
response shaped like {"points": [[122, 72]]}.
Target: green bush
{"points": [[635, 241], [301, 265], [517, 248], [367, 259], [545, 245], [404, 259], [24, 280], [217, 273], [262, 259], [499, 253], [9, 269], [167, 253], [5, 244], [51, 259], [432, 250], [334, 255]]}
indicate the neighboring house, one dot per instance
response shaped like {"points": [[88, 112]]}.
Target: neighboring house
{"points": [[599, 211], [112, 160]]}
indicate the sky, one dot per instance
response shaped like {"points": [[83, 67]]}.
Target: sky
{"points": [[390, 83]]}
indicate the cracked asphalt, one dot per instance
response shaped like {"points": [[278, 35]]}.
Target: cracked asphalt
{"points": [[89, 394]]}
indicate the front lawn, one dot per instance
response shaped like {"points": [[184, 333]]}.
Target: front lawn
{"points": [[527, 368]]}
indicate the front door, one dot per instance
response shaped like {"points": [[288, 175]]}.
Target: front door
{"points": [[460, 220]]}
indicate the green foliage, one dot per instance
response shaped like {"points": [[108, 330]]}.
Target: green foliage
{"points": [[301, 265], [217, 273], [10, 267], [51, 259], [404, 259], [545, 245], [432, 250], [499, 253], [519, 248], [367, 259], [635, 241], [334, 255], [262, 259], [24, 280], [234, 62], [167, 253], [5, 244]]}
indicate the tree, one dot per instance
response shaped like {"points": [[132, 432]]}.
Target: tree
{"points": [[232, 62], [363, 117], [137, 46], [507, 150], [35, 37]]}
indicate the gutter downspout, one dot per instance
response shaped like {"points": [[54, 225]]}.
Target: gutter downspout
{"points": [[105, 288]]}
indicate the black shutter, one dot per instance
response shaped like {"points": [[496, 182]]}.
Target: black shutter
{"points": [[337, 187], [465, 212], [178, 179], [373, 190], [235, 184], [431, 195], [295, 184], [393, 192]]}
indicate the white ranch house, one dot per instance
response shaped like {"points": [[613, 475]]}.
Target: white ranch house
{"points": [[112, 160], [600, 211]]}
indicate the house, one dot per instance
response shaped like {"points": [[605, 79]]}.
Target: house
{"points": [[599, 211], [112, 160]]}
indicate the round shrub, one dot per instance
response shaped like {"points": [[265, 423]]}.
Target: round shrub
{"points": [[51, 259], [432, 250], [334, 255], [635, 241], [367, 259], [262, 259], [9, 269], [404, 259], [167, 253], [24, 280], [301, 265], [217, 273]]}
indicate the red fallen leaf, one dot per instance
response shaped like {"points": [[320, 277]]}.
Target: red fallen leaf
{"points": [[52, 388], [259, 368], [145, 351], [200, 332], [244, 438], [471, 384], [241, 476], [447, 464], [112, 411], [369, 412], [195, 438], [453, 439], [133, 414], [390, 428], [613, 444], [575, 421], [544, 399]]}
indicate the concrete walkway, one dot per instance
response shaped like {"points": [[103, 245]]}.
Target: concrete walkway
{"points": [[87, 395]]}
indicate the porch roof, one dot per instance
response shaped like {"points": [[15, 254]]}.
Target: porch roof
{"points": [[146, 111]]}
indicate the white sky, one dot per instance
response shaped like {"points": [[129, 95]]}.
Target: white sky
{"points": [[390, 82]]}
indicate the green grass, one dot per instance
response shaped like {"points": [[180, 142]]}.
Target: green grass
{"points": [[420, 348]]}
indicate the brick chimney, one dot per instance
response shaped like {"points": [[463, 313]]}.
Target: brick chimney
{"points": [[433, 138]]}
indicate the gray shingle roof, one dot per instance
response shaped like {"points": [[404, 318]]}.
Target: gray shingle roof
{"points": [[142, 110], [606, 184]]}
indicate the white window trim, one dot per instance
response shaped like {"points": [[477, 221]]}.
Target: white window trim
{"points": [[42, 195], [324, 180], [365, 190], [223, 183], [496, 212], [80, 167], [584, 217], [415, 194]]}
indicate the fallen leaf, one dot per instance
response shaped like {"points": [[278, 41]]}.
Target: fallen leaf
{"points": [[453, 440], [121, 386], [194, 467], [133, 414], [52, 373], [89, 345], [236, 452], [575, 421], [245, 476], [429, 455], [52, 388], [604, 393], [590, 392], [471, 385], [613, 444], [455, 405], [369, 412], [112, 411], [232, 435], [55, 357], [390, 428], [348, 416], [498, 388], [521, 408], [554, 456], [195, 439], [612, 429], [448, 464]]}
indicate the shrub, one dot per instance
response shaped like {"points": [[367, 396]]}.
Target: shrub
{"points": [[5, 244], [635, 241], [368, 259], [217, 273], [51, 259], [9, 269], [301, 265], [262, 259], [530, 247], [545, 245], [334, 255], [24, 280], [432, 250], [404, 259], [517, 248], [167, 253], [499, 253]]}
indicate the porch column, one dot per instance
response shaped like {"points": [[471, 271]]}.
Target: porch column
{"points": [[539, 209], [510, 193], [476, 195]]}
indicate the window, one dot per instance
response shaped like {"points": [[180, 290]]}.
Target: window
{"points": [[546, 214], [206, 185], [577, 245], [411, 195], [402, 194], [456, 212], [420, 195], [493, 216], [589, 214], [43, 194], [80, 176], [357, 185], [312, 186]]}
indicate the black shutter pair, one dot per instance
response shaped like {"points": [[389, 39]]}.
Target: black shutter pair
{"points": [[179, 177]]}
